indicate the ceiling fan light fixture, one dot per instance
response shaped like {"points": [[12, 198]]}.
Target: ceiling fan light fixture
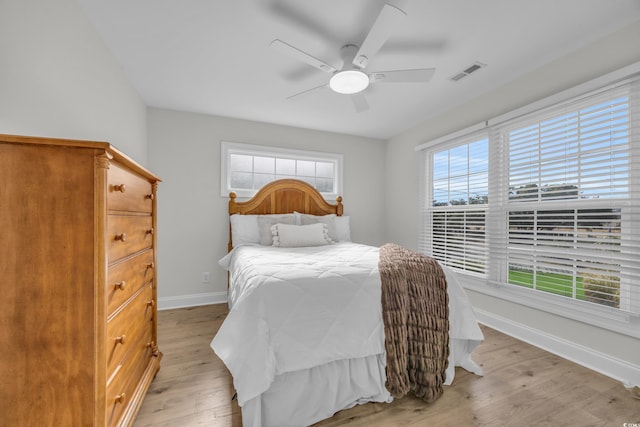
{"points": [[349, 81]]}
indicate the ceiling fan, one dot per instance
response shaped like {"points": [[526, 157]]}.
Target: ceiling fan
{"points": [[351, 79]]}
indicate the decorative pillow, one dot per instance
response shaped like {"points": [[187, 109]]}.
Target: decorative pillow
{"points": [[266, 221], [330, 220], [293, 236]]}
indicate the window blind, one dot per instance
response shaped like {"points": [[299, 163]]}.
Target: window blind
{"points": [[458, 197], [555, 208], [570, 211]]}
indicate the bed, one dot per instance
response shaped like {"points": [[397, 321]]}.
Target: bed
{"points": [[305, 333]]}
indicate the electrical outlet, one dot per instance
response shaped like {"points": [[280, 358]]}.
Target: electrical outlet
{"points": [[205, 277]]}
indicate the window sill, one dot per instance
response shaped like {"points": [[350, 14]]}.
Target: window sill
{"points": [[591, 314]]}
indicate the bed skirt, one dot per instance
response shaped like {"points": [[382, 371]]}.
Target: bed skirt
{"points": [[304, 397]]}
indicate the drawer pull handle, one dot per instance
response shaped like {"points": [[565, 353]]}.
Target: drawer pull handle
{"points": [[122, 237], [150, 231], [121, 398], [150, 266], [150, 303], [120, 285], [149, 196], [120, 339], [151, 344], [120, 187]]}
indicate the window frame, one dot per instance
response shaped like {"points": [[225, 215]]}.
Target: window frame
{"points": [[494, 283], [227, 148]]}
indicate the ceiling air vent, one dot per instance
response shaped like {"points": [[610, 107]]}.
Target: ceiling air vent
{"points": [[464, 73]]}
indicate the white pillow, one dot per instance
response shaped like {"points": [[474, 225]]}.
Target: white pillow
{"points": [[245, 229], [293, 236], [342, 226], [266, 221], [330, 220], [343, 229]]}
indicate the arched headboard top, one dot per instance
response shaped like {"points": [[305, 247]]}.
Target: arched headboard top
{"points": [[285, 196]]}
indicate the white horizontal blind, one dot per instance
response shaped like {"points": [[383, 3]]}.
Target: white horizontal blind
{"points": [[458, 197], [556, 210], [572, 202], [459, 238]]}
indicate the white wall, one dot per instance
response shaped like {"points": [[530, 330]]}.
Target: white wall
{"points": [[58, 79], [184, 150], [607, 55]]}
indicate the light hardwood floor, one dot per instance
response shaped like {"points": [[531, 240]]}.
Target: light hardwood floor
{"points": [[522, 386]]}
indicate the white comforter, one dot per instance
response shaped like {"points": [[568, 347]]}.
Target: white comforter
{"points": [[295, 308]]}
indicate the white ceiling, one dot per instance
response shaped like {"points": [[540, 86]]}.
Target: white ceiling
{"points": [[213, 56]]}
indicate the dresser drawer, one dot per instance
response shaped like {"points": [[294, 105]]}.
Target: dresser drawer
{"points": [[128, 234], [127, 329], [127, 191], [126, 277], [122, 383]]}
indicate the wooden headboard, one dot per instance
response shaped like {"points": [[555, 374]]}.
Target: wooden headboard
{"points": [[284, 196]]}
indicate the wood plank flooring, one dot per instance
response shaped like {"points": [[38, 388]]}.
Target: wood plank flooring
{"points": [[522, 386]]}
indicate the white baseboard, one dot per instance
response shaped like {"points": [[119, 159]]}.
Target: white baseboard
{"points": [[620, 370], [193, 300]]}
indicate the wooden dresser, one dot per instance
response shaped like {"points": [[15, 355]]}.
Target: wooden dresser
{"points": [[78, 331]]}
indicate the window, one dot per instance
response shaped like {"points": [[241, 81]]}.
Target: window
{"points": [[568, 195], [459, 195], [247, 168], [544, 207]]}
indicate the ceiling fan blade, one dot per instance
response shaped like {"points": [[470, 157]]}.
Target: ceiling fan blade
{"points": [[378, 35], [308, 91], [360, 102], [300, 17], [419, 75], [296, 53]]}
